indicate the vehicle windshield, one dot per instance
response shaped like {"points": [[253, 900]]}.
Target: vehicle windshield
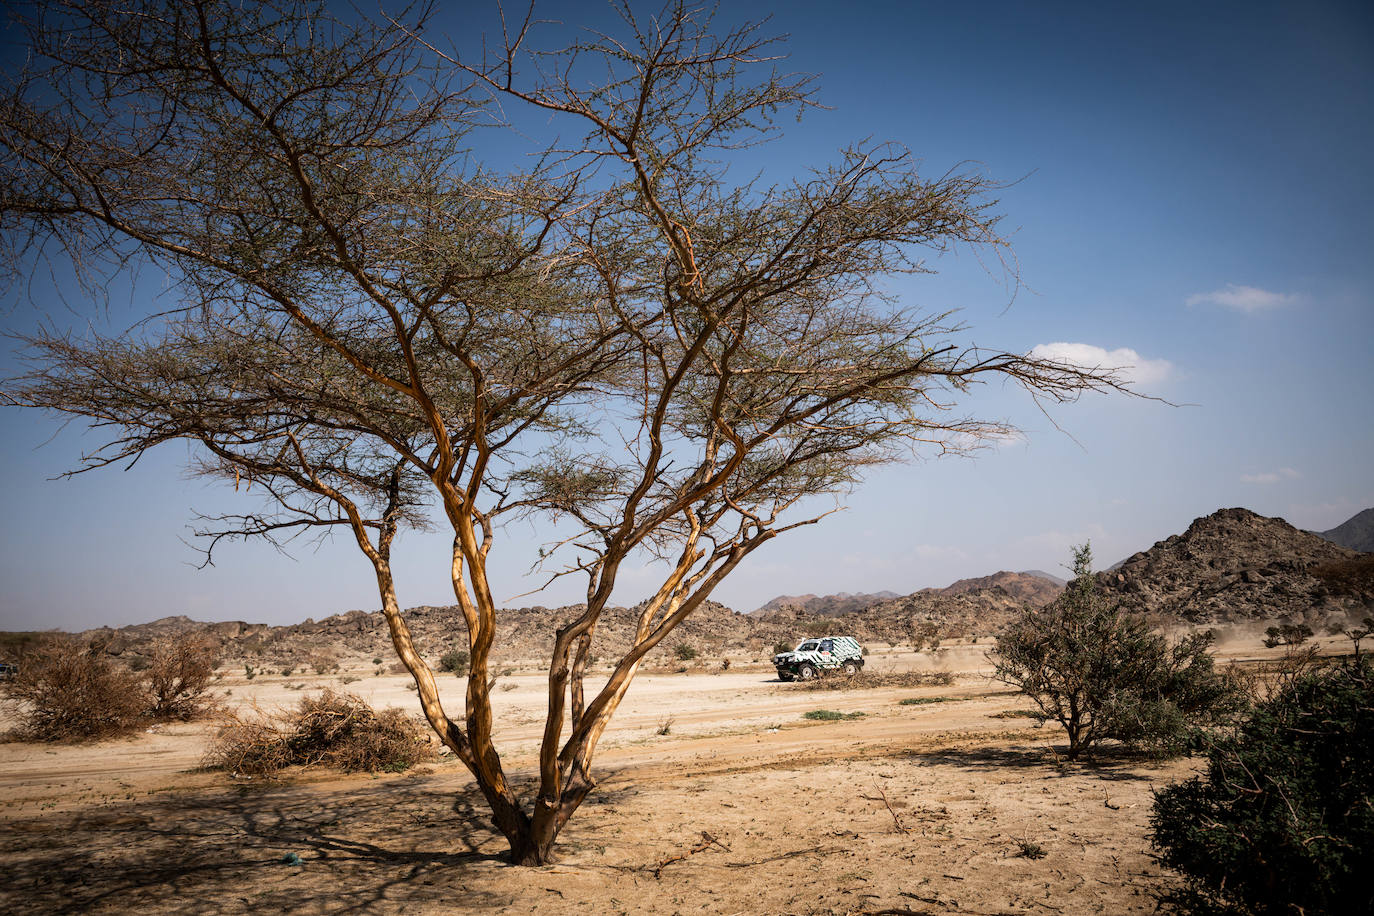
{"points": [[808, 646]]}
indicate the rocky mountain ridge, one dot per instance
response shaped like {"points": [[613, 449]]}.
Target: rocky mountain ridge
{"points": [[825, 605], [1356, 532], [1236, 565], [1232, 565], [1033, 587]]}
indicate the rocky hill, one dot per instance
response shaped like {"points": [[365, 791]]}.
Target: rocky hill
{"points": [[1236, 565], [967, 610], [1356, 532], [1050, 577], [1031, 588], [825, 605], [523, 635], [1034, 588], [1229, 566]]}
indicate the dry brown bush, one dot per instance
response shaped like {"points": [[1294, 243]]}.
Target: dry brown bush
{"points": [[331, 729], [869, 679], [178, 678], [1267, 679], [324, 662], [69, 690]]}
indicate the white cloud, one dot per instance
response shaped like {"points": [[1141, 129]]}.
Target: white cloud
{"points": [[1267, 478], [1133, 367], [939, 553], [1248, 299]]}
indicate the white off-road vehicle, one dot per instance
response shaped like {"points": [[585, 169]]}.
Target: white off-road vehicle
{"points": [[823, 653]]}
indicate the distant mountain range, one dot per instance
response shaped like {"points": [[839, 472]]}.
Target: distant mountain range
{"points": [[1232, 565], [1033, 587], [1356, 532], [825, 605]]}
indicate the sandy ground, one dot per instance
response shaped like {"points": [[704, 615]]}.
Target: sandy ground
{"points": [[743, 807]]}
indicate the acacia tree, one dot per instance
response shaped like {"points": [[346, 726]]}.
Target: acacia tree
{"points": [[1104, 674], [373, 332]]}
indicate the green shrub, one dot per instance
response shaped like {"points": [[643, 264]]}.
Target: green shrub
{"points": [[1105, 675], [923, 701], [455, 661], [830, 715], [1287, 634], [1359, 633], [685, 653], [1283, 820]]}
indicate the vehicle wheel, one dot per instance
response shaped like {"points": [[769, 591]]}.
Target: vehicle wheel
{"points": [[850, 669], [784, 675], [806, 672]]}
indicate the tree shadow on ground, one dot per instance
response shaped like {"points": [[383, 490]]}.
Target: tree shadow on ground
{"points": [[396, 844], [1114, 764]]}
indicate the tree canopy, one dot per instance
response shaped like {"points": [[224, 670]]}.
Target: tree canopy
{"points": [[373, 329]]}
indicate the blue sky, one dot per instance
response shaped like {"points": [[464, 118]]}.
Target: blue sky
{"points": [[1191, 194]]}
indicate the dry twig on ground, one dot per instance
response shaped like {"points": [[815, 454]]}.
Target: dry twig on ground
{"points": [[897, 822], [705, 843]]}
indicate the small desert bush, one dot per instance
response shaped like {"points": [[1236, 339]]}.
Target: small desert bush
{"points": [[68, 690], [684, 652], [337, 730], [454, 661], [830, 715], [1282, 820], [1287, 634], [923, 701], [324, 662], [925, 635], [1266, 679], [1357, 634], [178, 676]]}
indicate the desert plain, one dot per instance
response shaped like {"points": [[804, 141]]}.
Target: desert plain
{"points": [[715, 795]]}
